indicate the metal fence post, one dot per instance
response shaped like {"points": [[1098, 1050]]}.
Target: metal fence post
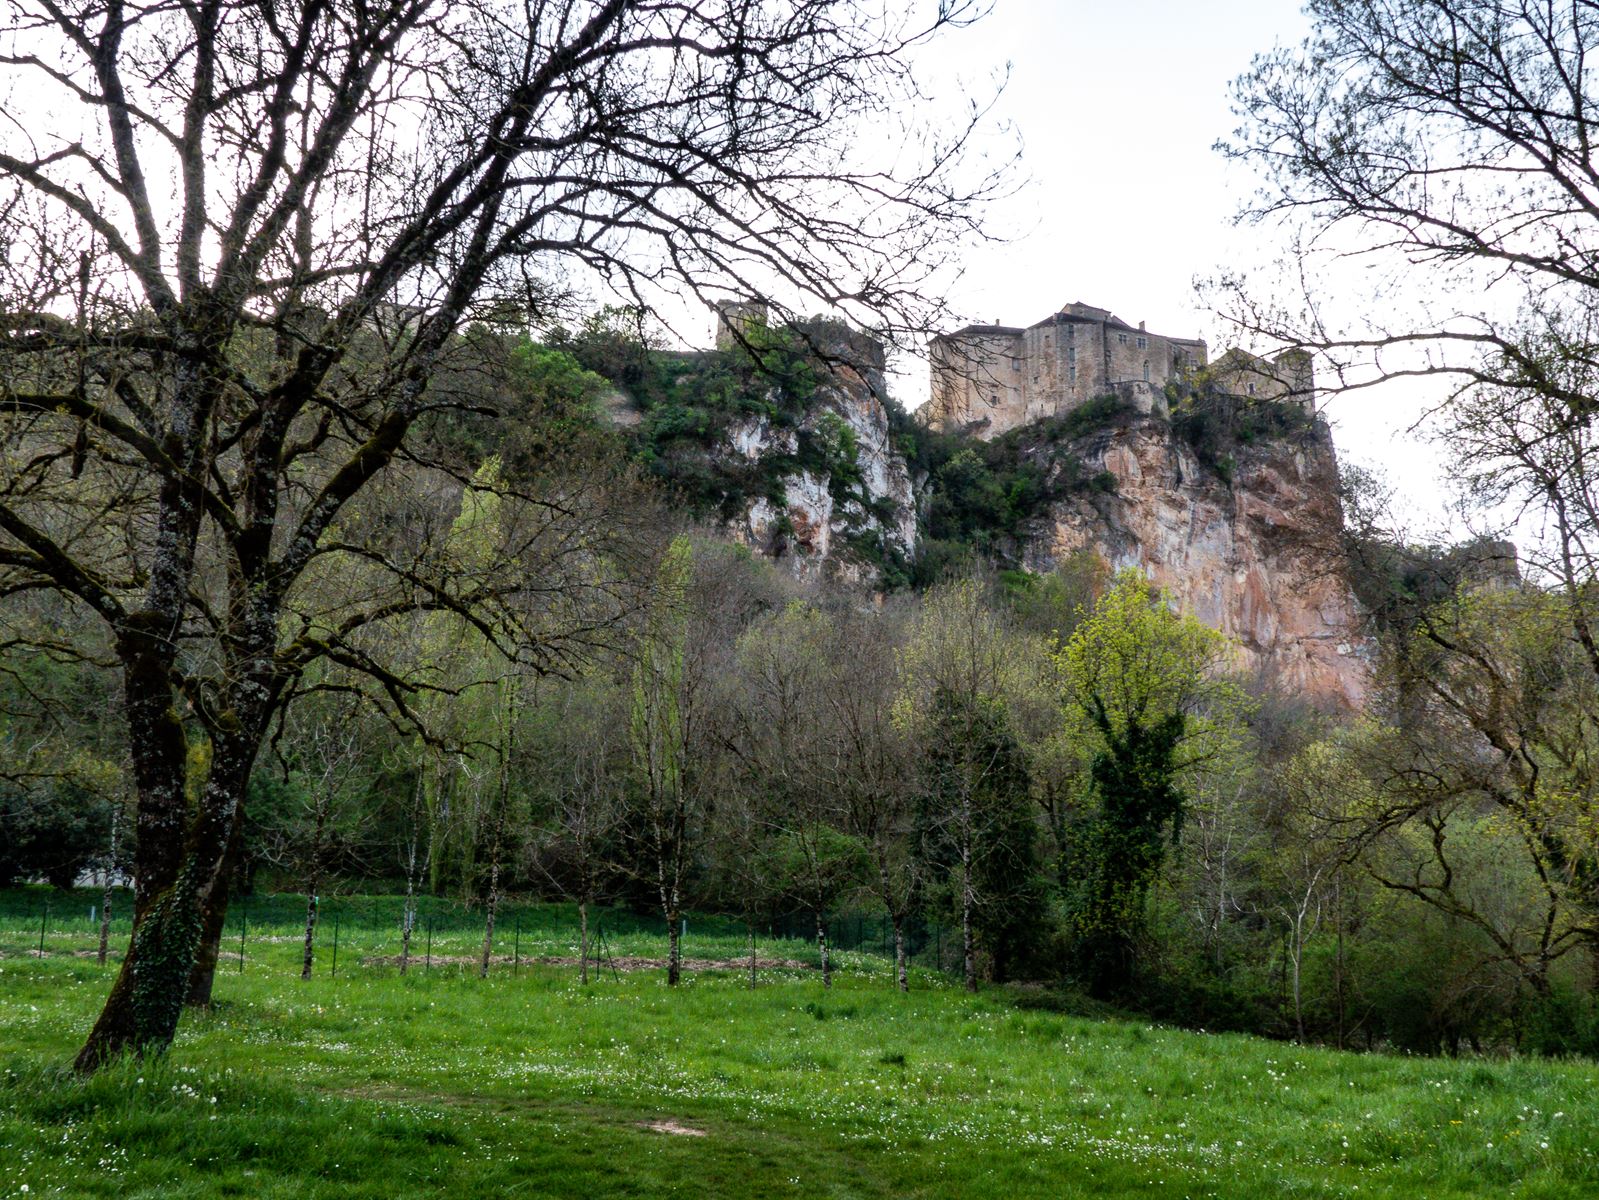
{"points": [[244, 924]]}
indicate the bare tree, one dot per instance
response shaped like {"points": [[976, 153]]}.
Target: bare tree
{"points": [[957, 664], [581, 731], [510, 708], [328, 753], [783, 747], [416, 853], [239, 267], [871, 766], [1445, 145]]}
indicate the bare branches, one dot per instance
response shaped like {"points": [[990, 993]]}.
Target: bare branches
{"points": [[1445, 145]]}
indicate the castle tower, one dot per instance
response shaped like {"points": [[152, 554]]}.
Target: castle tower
{"points": [[1298, 374], [734, 318]]}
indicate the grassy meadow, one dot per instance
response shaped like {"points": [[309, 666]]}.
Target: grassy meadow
{"points": [[529, 1084]]}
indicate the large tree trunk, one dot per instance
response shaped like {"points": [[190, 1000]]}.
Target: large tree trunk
{"points": [[213, 923], [209, 952], [141, 1014]]}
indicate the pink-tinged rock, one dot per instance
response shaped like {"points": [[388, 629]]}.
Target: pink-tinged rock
{"points": [[1255, 559]]}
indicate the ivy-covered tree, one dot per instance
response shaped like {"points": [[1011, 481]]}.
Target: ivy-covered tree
{"points": [[1147, 693]]}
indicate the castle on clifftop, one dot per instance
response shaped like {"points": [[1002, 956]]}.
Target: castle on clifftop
{"points": [[987, 379]]}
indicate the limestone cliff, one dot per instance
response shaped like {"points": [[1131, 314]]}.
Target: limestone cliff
{"points": [[841, 501], [1232, 508], [1243, 544], [820, 522]]}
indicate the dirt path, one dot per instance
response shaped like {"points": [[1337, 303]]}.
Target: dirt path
{"points": [[621, 962]]}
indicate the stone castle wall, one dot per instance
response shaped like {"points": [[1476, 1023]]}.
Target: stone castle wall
{"points": [[987, 379]]}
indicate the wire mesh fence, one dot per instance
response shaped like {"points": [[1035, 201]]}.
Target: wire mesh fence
{"points": [[267, 932]]}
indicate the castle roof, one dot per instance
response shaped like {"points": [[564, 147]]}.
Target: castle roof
{"points": [[1007, 330], [1077, 311], [1074, 313]]}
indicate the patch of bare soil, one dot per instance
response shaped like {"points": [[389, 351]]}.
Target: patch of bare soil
{"points": [[677, 1128], [628, 963], [621, 962]]}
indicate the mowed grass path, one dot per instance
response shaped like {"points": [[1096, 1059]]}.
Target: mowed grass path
{"points": [[530, 1085]]}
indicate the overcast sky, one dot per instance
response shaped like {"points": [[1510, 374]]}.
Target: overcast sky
{"points": [[1118, 106]]}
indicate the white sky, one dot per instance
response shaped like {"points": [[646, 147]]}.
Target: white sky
{"points": [[1118, 105]]}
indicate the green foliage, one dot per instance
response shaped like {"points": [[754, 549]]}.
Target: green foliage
{"points": [[528, 404], [1566, 1022], [1120, 849], [1216, 423], [689, 402], [53, 829], [980, 831], [816, 865], [982, 495]]}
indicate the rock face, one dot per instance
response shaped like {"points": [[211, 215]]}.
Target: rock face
{"points": [[825, 524], [1244, 543], [1247, 555]]}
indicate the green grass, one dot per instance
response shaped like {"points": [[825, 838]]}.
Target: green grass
{"points": [[530, 1085]]}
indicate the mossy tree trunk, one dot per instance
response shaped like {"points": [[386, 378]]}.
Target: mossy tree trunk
{"points": [[206, 958], [147, 999]]}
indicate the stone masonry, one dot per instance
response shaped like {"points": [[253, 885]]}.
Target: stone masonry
{"points": [[987, 379]]}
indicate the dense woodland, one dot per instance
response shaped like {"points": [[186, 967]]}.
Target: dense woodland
{"points": [[1058, 770]]}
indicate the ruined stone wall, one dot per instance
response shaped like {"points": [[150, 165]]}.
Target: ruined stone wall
{"points": [[1288, 376]]}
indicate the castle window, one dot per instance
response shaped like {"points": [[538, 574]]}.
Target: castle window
{"points": [[1015, 364], [1251, 389], [1146, 370], [1121, 338], [1143, 343], [1071, 372], [1071, 354]]}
